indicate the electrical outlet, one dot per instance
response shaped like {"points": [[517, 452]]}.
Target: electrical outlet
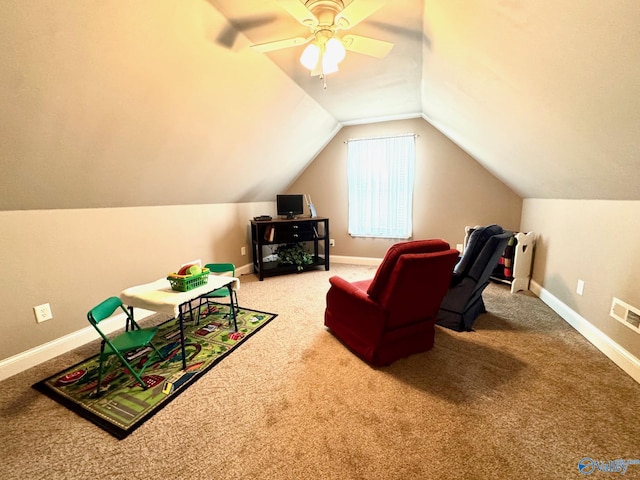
{"points": [[580, 287], [43, 312], [243, 250], [332, 242]]}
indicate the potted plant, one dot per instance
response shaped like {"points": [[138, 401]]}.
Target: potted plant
{"points": [[294, 254]]}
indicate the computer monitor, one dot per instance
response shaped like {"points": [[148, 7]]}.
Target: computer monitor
{"points": [[290, 205]]}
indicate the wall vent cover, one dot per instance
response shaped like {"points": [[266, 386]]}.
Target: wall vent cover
{"points": [[626, 314]]}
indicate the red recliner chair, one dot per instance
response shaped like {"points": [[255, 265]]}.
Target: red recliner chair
{"points": [[393, 315]]}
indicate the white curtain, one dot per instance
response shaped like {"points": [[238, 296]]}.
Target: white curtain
{"points": [[380, 176]]}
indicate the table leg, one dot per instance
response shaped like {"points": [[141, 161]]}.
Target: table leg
{"points": [[184, 353], [128, 324], [232, 307]]}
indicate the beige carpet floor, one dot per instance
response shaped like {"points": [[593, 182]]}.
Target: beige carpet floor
{"points": [[524, 396]]}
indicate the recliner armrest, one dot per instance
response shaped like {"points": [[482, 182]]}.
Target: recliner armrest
{"points": [[348, 287], [356, 306], [343, 288]]}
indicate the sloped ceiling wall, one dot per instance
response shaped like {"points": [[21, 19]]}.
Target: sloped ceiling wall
{"points": [[545, 94], [112, 103]]}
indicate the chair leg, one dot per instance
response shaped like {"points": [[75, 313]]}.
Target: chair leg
{"points": [[155, 349], [203, 301], [233, 300], [147, 363], [100, 367], [127, 365], [208, 303]]}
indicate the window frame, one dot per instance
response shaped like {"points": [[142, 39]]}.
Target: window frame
{"points": [[375, 167]]}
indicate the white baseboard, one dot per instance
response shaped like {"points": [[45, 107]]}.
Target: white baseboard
{"points": [[244, 269], [617, 354], [32, 357], [356, 260]]}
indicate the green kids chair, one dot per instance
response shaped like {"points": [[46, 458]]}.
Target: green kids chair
{"points": [[120, 345], [220, 269]]}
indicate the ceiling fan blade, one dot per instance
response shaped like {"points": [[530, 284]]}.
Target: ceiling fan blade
{"points": [[401, 30], [367, 46], [298, 11], [356, 12], [227, 37], [280, 44]]}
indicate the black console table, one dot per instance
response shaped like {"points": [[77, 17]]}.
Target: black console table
{"points": [[266, 235]]}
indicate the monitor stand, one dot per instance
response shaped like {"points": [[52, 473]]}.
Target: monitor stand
{"points": [[290, 216]]}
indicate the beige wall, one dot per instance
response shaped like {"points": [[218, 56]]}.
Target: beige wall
{"points": [[451, 189], [591, 240], [119, 103], [73, 259]]}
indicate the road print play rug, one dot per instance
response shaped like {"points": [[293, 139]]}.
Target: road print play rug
{"points": [[123, 405]]}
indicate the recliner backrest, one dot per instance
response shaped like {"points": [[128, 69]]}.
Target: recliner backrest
{"points": [[463, 302], [488, 258], [381, 278], [415, 288], [477, 240]]}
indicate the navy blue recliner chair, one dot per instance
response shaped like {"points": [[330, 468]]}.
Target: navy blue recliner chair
{"points": [[463, 302]]}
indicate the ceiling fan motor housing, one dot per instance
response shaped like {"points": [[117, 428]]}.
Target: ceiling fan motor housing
{"points": [[325, 10]]}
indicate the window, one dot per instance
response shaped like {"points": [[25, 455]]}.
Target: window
{"points": [[380, 175]]}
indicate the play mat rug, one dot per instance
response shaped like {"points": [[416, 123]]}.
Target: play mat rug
{"points": [[123, 405]]}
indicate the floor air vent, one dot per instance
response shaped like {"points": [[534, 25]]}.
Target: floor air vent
{"points": [[625, 313]]}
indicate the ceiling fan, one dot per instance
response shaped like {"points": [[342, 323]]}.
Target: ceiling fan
{"points": [[325, 19]]}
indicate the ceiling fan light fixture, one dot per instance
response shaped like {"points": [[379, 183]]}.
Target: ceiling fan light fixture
{"points": [[334, 51], [326, 55], [310, 56]]}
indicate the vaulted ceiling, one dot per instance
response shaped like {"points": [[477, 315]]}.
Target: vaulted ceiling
{"points": [[159, 102]]}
